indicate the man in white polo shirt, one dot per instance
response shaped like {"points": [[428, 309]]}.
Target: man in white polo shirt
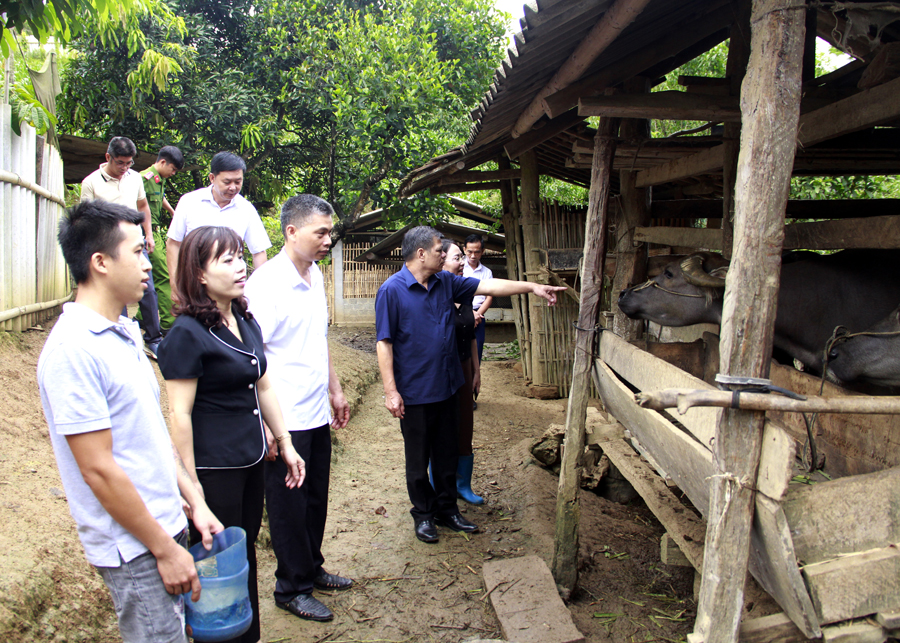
{"points": [[112, 447], [287, 299], [116, 182], [220, 204]]}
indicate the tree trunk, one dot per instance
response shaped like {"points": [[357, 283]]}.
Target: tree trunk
{"points": [[770, 106], [565, 555]]}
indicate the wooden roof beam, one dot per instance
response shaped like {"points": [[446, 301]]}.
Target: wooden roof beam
{"points": [[535, 137], [672, 105], [613, 22], [464, 187], [708, 32], [475, 176]]}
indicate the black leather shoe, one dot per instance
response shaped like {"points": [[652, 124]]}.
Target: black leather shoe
{"points": [[328, 581], [457, 523], [307, 607], [426, 531]]}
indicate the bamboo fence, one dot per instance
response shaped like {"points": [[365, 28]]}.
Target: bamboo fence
{"points": [[362, 279], [33, 277], [562, 227]]}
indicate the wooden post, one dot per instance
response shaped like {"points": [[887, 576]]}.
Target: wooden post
{"points": [[631, 262], [770, 107], [565, 554], [736, 67], [530, 211], [510, 207]]}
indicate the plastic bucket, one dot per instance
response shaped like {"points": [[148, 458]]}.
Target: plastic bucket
{"points": [[223, 611]]}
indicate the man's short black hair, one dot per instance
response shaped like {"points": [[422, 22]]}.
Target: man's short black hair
{"points": [[421, 236], [298, 210], [226, 162], [121, 147], [89, 227], [171, 154], [475, 238]]}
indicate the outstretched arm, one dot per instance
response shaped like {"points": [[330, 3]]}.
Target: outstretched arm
{"points": [[505, 288]]}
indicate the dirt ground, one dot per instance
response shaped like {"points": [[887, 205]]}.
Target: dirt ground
{"points": [[405, 590]]}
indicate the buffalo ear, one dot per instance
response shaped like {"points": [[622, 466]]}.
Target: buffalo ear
{"points": [[719, 272]]}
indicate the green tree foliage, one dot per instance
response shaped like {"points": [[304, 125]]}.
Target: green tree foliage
{"points": [[337, 97]]}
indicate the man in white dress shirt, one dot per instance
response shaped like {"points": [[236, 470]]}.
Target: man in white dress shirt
{"points": [[473, 267], [220, 204], [287, 299]]}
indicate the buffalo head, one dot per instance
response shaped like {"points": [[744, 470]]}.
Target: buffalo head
{"points": [[872, 356], [687, 291]]}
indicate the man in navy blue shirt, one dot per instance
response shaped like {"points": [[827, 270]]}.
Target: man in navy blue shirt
{"points": [[421, 372]]}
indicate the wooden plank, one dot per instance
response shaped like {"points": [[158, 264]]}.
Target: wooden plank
{"points": [[684, 459], [665, 105], [532, 139], [706, 162], [709, 239], [796, 208], [775, 628], [774, 565], [646, 372], [684, 528], [690, 465], [855, 585], [854, 633], [888, 620], [871, 232], [844, 516], [866, 109], [526, 602]]}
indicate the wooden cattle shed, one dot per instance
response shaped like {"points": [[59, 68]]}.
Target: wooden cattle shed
{"points": [[825, 552]]}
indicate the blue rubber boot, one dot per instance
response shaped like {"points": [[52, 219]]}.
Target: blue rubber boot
{"points": [[464, 480]]}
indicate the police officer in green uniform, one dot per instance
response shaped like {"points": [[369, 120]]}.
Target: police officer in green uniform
{"points": [[168, 162]]}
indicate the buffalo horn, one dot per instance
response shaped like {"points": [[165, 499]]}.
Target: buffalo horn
{"points": [[692, 269]]}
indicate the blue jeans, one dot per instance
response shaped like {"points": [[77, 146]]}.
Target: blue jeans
{"points": [[147, 613]]}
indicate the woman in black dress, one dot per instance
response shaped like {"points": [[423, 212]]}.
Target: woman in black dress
{"points": [[468, 356], [214, 364]]}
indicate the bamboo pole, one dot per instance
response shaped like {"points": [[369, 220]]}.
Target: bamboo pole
{"points": [[684, 399], [565, 554], [770, 108]]}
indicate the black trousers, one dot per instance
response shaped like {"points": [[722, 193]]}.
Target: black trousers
{"points": [[430, 434], [297, 516], [235, 496]]}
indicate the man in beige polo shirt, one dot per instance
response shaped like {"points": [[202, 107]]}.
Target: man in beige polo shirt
{"points": [[115, 182]]}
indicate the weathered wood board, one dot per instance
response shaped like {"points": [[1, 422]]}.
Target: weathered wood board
{"points": [[526, 601], [855, 585], [682, 525], [775, 628], [647, 373], [844, 516], [774, 564], [852, 444]]}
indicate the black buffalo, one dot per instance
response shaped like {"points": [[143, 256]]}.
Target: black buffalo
{"points": [[871, 357], [853, 288]]}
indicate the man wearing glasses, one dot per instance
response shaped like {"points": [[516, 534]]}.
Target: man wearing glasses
{"points": [[116, 182]]}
